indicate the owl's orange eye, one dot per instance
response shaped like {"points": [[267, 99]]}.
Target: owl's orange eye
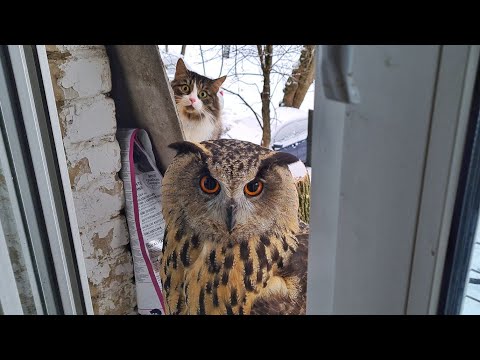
{"points": [[253, 188], [209, 185]]}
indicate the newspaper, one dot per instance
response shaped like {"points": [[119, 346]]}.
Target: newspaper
{"points": [[143, 206]]}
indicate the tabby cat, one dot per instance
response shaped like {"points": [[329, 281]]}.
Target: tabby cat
{"points": [[198, 104]]}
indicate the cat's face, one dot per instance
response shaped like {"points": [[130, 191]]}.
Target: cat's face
{"points": [[195, 95]]}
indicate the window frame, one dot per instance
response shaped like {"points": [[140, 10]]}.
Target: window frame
{"points": [[35, 149]]}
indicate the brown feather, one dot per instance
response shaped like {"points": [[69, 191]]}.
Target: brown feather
{"points": [[295, 275]]}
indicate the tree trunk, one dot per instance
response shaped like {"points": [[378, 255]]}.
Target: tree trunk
{"points": [[302, 76], [184, 48], [226, 51], [266, 55], [265, 95]]}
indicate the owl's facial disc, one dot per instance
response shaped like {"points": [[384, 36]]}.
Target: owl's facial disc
{"points": [[227, 207], [229, 188]]}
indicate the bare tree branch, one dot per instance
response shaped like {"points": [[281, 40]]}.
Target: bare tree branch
{"points": [[203, 61], [300, 79], [221, 66], [260, 55], [275, 116], [248, 105], [266, 55]]}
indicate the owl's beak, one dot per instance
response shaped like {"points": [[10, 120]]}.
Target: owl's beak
{"points": [[231, 217]]}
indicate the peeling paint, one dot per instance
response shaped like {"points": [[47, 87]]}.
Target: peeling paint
{"points": [[113, 291], [88, 119], [102, 243], [76, 171], [84, 74], [115, 302], [81, 79], [117, 189], [94, 205], [58, 56]]}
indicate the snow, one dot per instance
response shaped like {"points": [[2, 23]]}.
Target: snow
{"points": [[298, 170], [471, 307], [242, 131], [289, 126], [239, 120], [475, 263], [471, 302], [473, 290]]}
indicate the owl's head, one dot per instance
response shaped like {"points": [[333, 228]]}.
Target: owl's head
{"points": [[230, 188]]}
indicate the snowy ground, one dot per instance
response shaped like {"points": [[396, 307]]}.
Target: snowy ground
{"points": [[239, 119], [471, 302]]}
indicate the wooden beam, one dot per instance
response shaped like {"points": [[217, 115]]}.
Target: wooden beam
{"points": [[143, 97]]}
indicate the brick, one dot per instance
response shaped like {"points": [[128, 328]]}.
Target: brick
{"points": [[101, 200], [88, 119], [118, 301], [111, 283], [88, 162], [101, 239], [80, 77]]}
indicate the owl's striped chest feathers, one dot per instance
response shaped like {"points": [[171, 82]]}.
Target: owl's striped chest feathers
{"points": [[222, 276]]}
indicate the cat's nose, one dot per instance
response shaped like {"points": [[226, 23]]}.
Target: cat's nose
{"points": [[192, 100]]}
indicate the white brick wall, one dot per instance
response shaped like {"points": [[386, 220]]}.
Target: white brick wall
{"points": [[88, 119], [82, 80]]}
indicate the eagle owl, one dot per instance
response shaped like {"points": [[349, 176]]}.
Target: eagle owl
{"points": [[232, 242]]}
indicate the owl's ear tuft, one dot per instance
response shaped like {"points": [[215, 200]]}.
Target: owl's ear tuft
{"points": [[279, 159], [187, 147], [276, 159]]}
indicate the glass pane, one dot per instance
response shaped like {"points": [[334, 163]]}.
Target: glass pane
{"points": [[471, 300], [19, 254]]}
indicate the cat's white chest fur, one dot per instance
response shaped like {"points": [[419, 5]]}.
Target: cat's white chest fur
{"points": [[197, 130]]}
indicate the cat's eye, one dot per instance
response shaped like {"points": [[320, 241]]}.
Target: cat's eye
{"points": [[209, 185], [253, 188], [185, 88], [202, 94]]}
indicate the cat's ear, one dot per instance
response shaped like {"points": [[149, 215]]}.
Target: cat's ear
{"points": [[218, 82], [181, 69]]}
